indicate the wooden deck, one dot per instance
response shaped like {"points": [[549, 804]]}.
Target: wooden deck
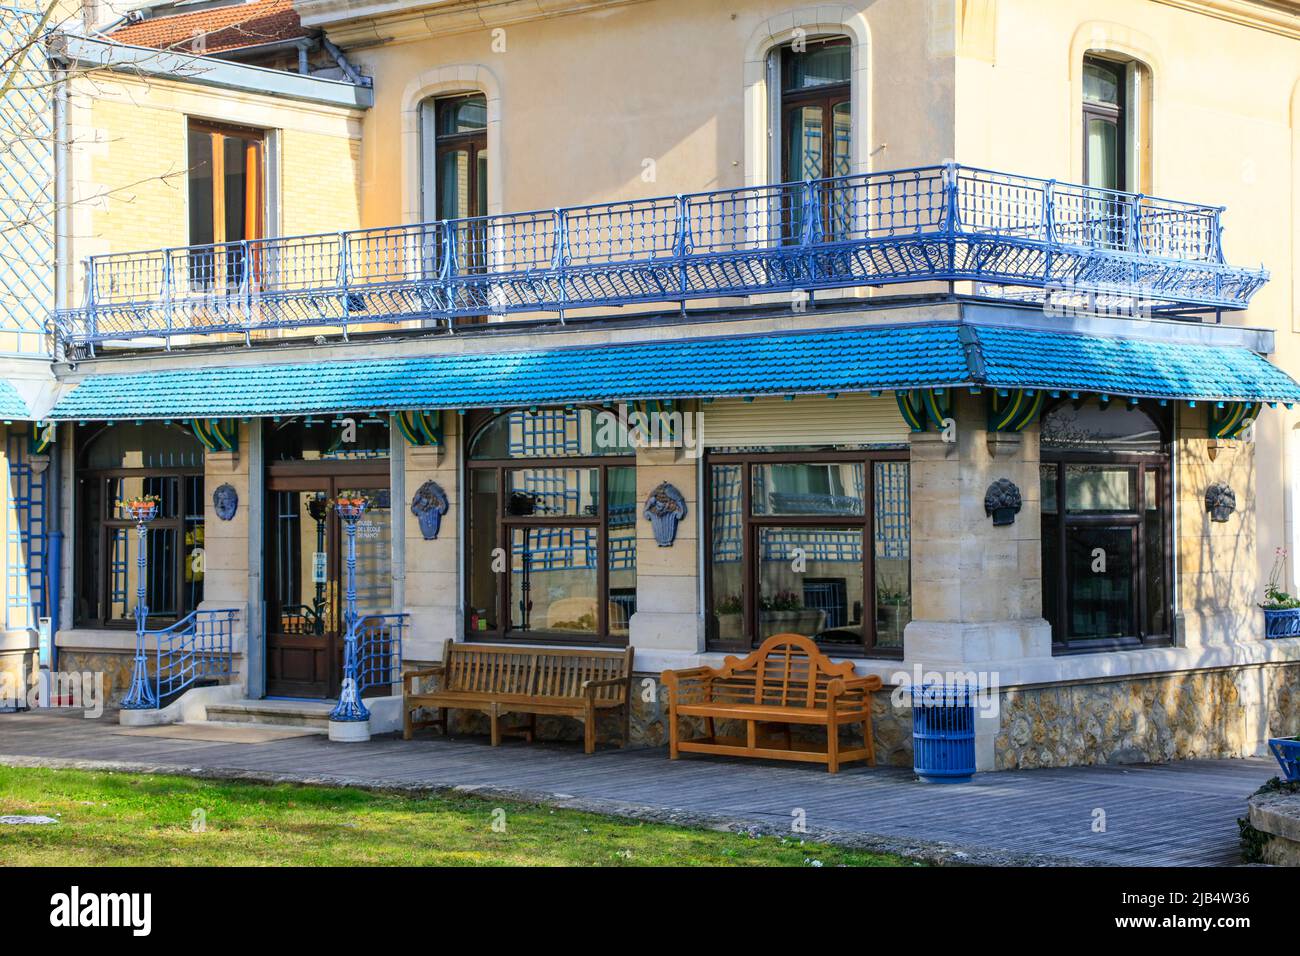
{"points": [[1173, 814]]}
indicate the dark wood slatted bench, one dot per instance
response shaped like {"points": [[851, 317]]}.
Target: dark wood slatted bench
{"points": [[788, 680], [499, 680]]}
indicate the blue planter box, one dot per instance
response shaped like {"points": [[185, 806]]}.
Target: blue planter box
{"points": [[1284, 623], [1287, 752]]}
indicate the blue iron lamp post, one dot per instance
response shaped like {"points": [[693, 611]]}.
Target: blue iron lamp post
{"points": [[141, 696], [350, 709]]}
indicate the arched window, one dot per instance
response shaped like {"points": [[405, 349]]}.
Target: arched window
{"points": [[553, 495], [1116, 124], [116, 462], [1106, 525]]}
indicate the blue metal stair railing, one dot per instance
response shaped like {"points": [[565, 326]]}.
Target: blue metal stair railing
{"points": [[1017, 237], [200, 646]]}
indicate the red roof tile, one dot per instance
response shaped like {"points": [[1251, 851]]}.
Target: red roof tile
{"points": [[222, 28]]}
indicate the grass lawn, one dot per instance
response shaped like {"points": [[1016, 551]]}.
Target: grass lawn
{"points": [[113, 819]]}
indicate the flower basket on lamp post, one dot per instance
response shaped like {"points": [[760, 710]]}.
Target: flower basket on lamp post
{"points": [[349, 721], [140, 695]]}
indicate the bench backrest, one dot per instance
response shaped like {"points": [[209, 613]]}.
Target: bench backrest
{"points": [[534, 671], [787, 670]]}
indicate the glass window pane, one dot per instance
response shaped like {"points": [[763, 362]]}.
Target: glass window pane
{"points": [[808, 488], [893, 552], [462, 114], [238, 154], [483, 509], [299, 540], [1092, 428], [375, 554], [1102, 82], [352, 436], [622, 549], [824, 599], [195, 567], [160, 573], [550, 433], [90, 570], [480, 183], [200, 183], [1103, 153], [1100, 574], [147, 445], [1047, 487], [1105, 488], [726, 530], [1155, 555], [841, 155], [819, 64], [553, 579], [453, 184], [806, 144], [552, 492]]}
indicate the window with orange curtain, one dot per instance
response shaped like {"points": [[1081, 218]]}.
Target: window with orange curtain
{"points": [[227, 199]]}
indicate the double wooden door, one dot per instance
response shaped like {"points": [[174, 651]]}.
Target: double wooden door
{"points": [[306, 577]]}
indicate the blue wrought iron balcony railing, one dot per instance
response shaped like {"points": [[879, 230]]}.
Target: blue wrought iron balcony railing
{"points": [[1014, 236]]}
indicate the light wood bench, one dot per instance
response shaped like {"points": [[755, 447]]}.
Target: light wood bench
{"points": [[788, 680], [499, 680]]}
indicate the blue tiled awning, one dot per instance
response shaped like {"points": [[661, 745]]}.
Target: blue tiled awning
{"points": [[1137, 368], [12, 406], [829, 360]]}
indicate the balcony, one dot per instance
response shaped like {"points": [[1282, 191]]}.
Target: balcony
{"points": [[1013, 237]]}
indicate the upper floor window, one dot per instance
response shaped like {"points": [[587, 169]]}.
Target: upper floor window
{"points": [[455, 156], [227, 195], [816, 109], [1106, 144]]}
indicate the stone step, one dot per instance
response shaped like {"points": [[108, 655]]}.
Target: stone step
{"points": [[276, 713]]}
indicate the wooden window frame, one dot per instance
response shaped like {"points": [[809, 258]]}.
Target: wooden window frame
{"points": [[1116, 115], [751, 523], [1142, 463], [505, 523], [219, 131], [110, 521]]}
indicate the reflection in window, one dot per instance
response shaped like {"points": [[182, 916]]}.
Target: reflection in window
{"points": [[1106, 553], [802, 544], [118, 462], [548, 492], [350, 436]]}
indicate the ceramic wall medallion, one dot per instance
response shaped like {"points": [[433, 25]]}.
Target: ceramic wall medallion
{"points": [[225, 501], [1002, 502], [665, 508], [428, 506], [1220, 501]]}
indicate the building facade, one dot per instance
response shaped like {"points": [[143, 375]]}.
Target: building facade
{"points": [[679, 325]]}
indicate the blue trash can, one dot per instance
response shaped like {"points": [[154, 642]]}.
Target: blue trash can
{"points": [[943, 732]]}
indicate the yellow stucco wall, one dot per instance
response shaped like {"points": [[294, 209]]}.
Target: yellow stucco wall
{"points": [[129, 160]]}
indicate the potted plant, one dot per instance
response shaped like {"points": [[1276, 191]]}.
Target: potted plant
{"points": [[893, 610], [1281, 610], [784, 613], [731, 618], [141, 507]]}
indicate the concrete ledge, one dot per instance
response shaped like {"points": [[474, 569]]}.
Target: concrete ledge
{"points": [[1277, 814], [190, 707]]}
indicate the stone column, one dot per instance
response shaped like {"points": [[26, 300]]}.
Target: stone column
{"points": [[976, 588], [667, 583], [225, 543], [432, 584]]}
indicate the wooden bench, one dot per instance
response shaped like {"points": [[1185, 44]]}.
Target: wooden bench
{"points": [[499, 680], [788, 680]]}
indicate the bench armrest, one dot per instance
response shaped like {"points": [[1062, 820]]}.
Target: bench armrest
{"points": [[853, 685], [590, 686], [410, 676], [689, 685]]}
